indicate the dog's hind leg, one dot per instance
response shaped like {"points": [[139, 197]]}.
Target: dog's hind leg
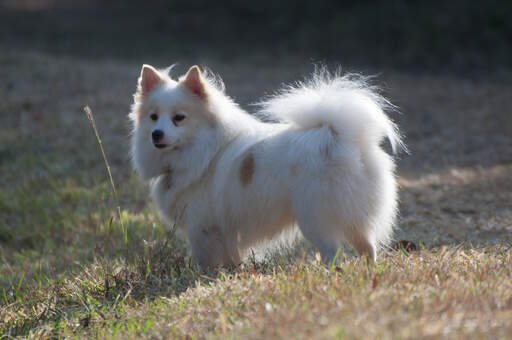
{"points": [[327, 227], [320, 231], [362, 243], [328, 236]]}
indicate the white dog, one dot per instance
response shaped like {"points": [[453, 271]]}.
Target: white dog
{"points": [[231, 181]]}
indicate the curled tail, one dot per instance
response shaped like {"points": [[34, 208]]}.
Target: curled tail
{"points": [[352, 107]]}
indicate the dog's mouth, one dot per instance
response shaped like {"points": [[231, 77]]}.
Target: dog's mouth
{"points": [[160, 145]]}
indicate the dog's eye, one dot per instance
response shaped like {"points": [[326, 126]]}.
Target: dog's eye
{"points": [[154, 116], [178, 118]]}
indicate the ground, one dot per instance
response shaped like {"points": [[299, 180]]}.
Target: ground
{"points": [[69, 268]]}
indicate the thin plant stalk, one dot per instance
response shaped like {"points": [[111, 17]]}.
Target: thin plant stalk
{"points": [[89, 114]]}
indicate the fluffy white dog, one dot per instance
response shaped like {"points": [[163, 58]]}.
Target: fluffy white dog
{"points": [[231, 181]]}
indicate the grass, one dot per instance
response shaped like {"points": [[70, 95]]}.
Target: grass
{"points": [[76, 261], [461, 292]]}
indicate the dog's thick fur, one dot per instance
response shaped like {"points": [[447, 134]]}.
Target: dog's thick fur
{"points": [[231, 181]]}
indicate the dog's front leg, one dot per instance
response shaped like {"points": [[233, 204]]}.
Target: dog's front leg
{"points": [[211, 248]]}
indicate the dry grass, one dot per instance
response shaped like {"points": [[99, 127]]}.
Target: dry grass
{"points": [[66, 268], [455, 293]]}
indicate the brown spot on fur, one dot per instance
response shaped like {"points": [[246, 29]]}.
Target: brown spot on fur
{"points": [[168, 178], [247, 169]]}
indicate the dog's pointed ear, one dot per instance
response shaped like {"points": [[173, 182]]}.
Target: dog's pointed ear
{"points": [[149, 79], [194, 82]]}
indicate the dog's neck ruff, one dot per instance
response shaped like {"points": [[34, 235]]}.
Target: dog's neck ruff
{"points": [[208, 170]]}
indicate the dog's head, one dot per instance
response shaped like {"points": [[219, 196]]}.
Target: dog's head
{"points": [[167, 117]]}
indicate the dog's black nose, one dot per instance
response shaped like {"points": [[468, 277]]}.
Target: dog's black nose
{"points": [[157, 135]]}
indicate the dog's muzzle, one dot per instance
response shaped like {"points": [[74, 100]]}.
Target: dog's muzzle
{"points": [[157, 136]]}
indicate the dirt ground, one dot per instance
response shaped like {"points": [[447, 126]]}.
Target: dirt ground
{"points": [[456, 184]]}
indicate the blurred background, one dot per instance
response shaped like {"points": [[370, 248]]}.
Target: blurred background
{"points": [[463, 37], [445, 64]]}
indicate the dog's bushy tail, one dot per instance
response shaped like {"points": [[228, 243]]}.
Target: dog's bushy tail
{"points": [[348, 103]]}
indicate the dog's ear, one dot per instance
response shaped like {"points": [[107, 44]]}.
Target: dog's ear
{"points": [[194, 82], [149, 79]]}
